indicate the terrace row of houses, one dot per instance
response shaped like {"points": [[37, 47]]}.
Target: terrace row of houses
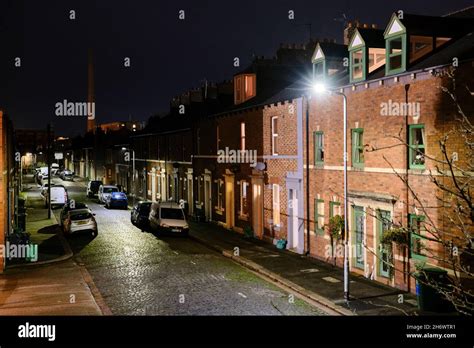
{"points": [[264, 153]]}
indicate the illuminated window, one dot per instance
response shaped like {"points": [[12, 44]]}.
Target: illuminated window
{"points": [[245, 87], [220, 194], [244, 198], [276, 204], [242, 136]]}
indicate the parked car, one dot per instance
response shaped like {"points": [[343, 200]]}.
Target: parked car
{"points": [[116, 199], [67, 175], [93, 188], [79, 220], [140, 214], [44, 189], [168, 217], [105, 191], [67, 208], [59, 196]]}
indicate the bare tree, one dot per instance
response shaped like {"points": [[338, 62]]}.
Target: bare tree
{"points": [[450, 244]]}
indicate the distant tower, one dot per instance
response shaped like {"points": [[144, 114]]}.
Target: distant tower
{"points": [[90, 89]]}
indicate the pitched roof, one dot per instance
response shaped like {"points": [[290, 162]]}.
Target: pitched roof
{"points": [[437, 26]]}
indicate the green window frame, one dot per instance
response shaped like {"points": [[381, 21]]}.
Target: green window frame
{"points": [[318, 138], [416, 237], [357, 147], [362, 64], [319, 229], [331, 208], [414, 148], [389, 56]]}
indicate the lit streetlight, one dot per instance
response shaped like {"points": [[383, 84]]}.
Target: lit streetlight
{"points": [[133, 172]]}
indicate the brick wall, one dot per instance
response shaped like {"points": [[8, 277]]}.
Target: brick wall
{"points": [[375, 186]]}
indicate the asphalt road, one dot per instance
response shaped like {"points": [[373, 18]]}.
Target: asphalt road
{"points": [[140, 273]]}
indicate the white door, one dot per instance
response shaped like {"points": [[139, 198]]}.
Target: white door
{"points": [[293, 206]]}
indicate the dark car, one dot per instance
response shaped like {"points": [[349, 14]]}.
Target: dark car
{"points": [[93, 188], [116, 200], [139, 215], [67, 208]]}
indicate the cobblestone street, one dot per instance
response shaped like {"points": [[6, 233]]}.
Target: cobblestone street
{"points": [[139, 273]]}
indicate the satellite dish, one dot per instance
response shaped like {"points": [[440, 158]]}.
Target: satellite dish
{"points": [[260, 166]]}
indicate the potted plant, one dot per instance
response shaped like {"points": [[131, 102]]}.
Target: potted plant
{"points": [[335, 228], [281, 243], [248, 232]]}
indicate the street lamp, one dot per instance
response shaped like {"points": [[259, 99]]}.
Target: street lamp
{"points": [[133, 172], [320, 88]]}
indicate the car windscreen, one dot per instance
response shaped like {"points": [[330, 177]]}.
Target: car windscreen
{"points": [[81, 216], [170, 213], [110, 189]]}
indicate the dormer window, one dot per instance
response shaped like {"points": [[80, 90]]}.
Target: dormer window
{"points": [[319, 64], [245, 87], [357, 60], [396, 46], [357, 56]]}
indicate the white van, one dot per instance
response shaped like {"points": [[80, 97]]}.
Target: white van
{"points": [[168, 217], [58, 196]]}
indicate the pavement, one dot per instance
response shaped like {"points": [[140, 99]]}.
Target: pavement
{"points": [[307, 276], [54, 284]]}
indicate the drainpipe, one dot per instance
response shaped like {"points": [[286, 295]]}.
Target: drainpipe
{"points": [[308, 236], [407, 157]]}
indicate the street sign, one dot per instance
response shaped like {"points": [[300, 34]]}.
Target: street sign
{"points": [[58, 155]]}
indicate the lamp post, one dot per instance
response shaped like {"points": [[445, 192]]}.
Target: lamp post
{"points": [[133, 172], [321, 88]]}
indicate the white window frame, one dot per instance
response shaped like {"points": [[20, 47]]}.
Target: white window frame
{"points": [[274, 135]]}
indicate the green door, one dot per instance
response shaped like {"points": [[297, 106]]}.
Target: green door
{"points": [[383, 224], [359, 222]]}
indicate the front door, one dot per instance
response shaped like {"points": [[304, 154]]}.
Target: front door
{"points": [[229, 201], [359, 224], [207, 197], [257, 208], [383, 224], [294, 222]]}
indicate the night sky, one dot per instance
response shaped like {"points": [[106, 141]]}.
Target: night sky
{"points": [[168, 55]]}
